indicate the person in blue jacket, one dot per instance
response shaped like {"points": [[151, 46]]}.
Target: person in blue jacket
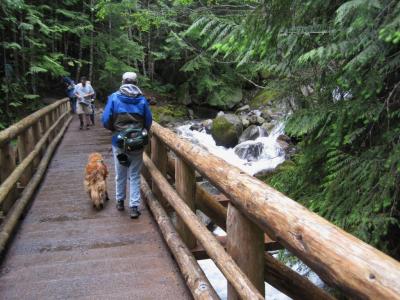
{"points": [[70, 91], [127, 108]]}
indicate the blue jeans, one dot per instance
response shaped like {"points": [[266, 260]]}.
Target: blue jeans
{"points": [[132, 172]]}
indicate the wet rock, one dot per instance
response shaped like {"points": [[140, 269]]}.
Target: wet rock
{"points": [[286, 145], [226, 130], [243, 108], [266, 115], [191, 114], [207, 125], [260, 120], [253, 119], [245, 122], [249, 151], [196, 127], [220, 113], [268, 126], [251, 133], [284, 138]]}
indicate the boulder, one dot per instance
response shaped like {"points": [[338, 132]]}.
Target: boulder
{"points": [[226, 130], [207, 125], [284, 138], [245, 122], [253, 119], [243, 108], [249, 151], [266, 115], [196, 127], [260, 120], [268, 126], [252, 133], [220, 113]]}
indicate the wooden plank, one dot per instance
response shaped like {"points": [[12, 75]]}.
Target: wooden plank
{"points": [[194, 276], [245, 243], [224, 262], [339, 258], [186, 188]]}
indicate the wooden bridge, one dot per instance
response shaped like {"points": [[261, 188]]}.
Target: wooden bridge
{"points": [[55, 246]]}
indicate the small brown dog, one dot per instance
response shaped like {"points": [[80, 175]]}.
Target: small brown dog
{"points": [[95, 180]]}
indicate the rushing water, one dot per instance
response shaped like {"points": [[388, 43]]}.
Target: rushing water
{"points": [[270, 157]]}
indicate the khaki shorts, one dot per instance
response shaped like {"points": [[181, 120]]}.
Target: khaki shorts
{"points": [[83, 109]]}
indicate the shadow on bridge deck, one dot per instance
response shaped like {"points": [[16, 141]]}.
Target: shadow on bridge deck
{"points": [[66, 249]]}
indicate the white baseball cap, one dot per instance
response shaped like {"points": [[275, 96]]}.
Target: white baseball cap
{"points": [[129, 75]]}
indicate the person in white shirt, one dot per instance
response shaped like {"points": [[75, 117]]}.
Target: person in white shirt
{"points": [[84, 93]]}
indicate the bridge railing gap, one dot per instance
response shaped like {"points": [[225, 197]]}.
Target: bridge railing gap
{"points": [[255, 214], [22, 166]]}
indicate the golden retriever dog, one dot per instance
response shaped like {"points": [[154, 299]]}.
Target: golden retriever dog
{"points": [[96, 173]]}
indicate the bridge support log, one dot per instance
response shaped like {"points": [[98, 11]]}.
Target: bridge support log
{"points": [[185, 182], [7, 163], [225, 263], [25, 146], [194, 276], [159, 156], [245, 243]]}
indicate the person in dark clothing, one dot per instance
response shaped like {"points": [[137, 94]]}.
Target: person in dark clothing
{"points": [[126, 109], [70, 91]]}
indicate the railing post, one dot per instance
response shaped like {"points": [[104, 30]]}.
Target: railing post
{"points": [[159, 157], [36, 135], [245, 243], [25, 145], [185, 182], [7, 163]]}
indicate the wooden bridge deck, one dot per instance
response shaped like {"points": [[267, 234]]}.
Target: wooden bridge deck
{"points": [[65, 249]]}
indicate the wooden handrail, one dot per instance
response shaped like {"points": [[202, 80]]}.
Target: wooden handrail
{"points": [[13, 178], [224, 262], [13, 131], [14, 216], [339, 258], [37, 138]]}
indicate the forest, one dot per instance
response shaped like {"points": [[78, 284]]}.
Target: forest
{"points": [[336, 63]]}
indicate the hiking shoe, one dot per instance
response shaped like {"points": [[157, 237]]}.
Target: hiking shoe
{"points": [[81, 127], [120, 205], [135, 213]]}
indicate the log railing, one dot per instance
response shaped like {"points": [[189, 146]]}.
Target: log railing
{"points": [[26, 149], [255, 209]]}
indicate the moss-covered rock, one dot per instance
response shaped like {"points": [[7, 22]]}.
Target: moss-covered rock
{"points": [[167, 113], [264, 98], [226, 130]]}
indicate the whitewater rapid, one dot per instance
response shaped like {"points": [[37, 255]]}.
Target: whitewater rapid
{"points": [[272, 155]]}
